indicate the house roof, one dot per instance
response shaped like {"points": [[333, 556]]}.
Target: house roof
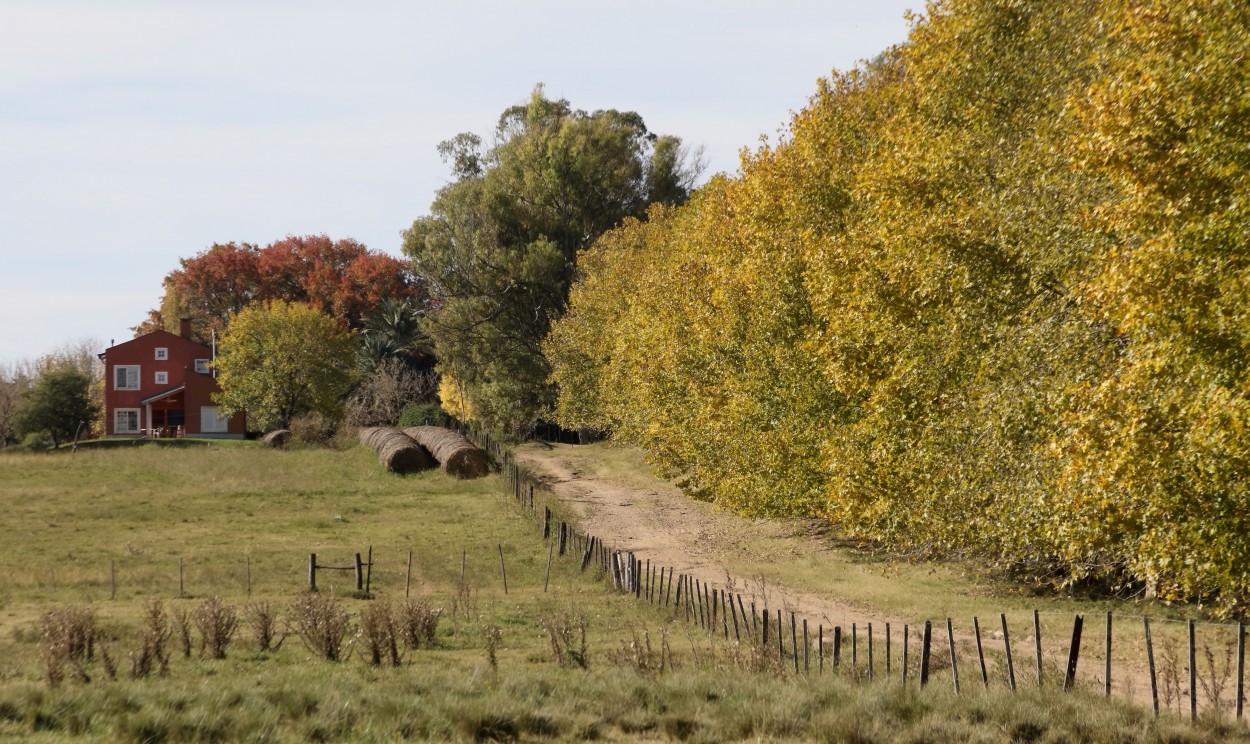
{"points": [[162, 394]]}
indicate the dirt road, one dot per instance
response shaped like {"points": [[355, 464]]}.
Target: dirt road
{"points": [[658, 523]]}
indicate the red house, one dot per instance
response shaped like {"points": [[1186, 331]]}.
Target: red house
{"points": [[160, 384]]}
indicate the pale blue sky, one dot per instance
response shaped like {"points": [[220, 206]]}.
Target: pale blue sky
{"points": [[137, 132]]}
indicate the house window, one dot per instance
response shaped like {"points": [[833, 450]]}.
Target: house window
{"points": [[211, 421], [162, 353], [126, 377], [162, 378], [201, 366], [126, 421]]}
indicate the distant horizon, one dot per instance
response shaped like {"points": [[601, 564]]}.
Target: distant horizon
{"points": [[136, 135]]}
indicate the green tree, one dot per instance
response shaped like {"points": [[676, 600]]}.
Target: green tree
{"points": [[281, 359], [58, 404], [499, 247]]}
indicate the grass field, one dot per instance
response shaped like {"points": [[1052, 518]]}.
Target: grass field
{"points": [[73, 522]]}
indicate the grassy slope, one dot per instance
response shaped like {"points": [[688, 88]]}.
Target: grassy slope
{"points": [[67, 517]]}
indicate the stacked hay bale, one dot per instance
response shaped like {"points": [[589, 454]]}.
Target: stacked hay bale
{"points": [[456, 455], [277, 438], [397, 451]]}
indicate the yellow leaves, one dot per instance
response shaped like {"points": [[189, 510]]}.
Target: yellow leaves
{"points": [[988, 295]]}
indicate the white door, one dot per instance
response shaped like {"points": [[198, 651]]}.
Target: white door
{"points": [[211, 422]]}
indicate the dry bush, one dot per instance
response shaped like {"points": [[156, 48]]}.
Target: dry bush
{"points": [[381, 630], [494, 636], [321, 624], [216, 622], [637, 653], [68, 635], [382, 395], [312, 430], [152, 654], [262, 619], [418, 623], [561, 634], [182, 621]]}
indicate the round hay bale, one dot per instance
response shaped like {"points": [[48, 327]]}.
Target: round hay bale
{"points": [[456, 455], [397, 451], [277, 438]]}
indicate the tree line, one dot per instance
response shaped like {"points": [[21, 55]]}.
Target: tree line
{"points": [[986, 296]]}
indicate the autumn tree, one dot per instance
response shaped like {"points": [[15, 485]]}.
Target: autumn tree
{"points": [[986, 296], [499, 247], [341, 278], [281, 359]]}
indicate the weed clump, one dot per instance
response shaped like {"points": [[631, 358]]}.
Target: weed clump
{"points": [[216, 622], [381, 631], [418, 622], [567, 638], [321, 624], [262, 620], [152, 654], [68, 636]]}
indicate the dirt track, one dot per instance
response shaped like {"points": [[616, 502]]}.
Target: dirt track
{"points": [[664, 526]]}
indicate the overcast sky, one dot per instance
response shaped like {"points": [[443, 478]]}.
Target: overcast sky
{"points": [[134, 133]]}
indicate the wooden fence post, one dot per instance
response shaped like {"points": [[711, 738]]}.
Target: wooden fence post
{"points": [[820, 640], [781, 640], [1107, 682], [976, 629], [408, 575], [1037, 642], [312, 572], [925, 642], [806, 647], [1150, 659], [360, 577], [794, 643], [503, 571], [887, 651], [837, 646], [950, 640], [1193, 676], [547, 576], [1241, 667], [1074, 653], [369, 571], [1011, 667]]}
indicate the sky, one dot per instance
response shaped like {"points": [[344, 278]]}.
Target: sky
{"points": [[134, 133]]}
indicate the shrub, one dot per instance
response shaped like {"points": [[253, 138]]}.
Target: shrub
{"points": [[152, 653], [68, 635], [422, 414], [216, 622], [312, 430], [320, 624], [380, 629], [418, 622], [262, 619]]}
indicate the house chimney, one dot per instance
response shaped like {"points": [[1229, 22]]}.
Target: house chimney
{"points": [[184, 327]]}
